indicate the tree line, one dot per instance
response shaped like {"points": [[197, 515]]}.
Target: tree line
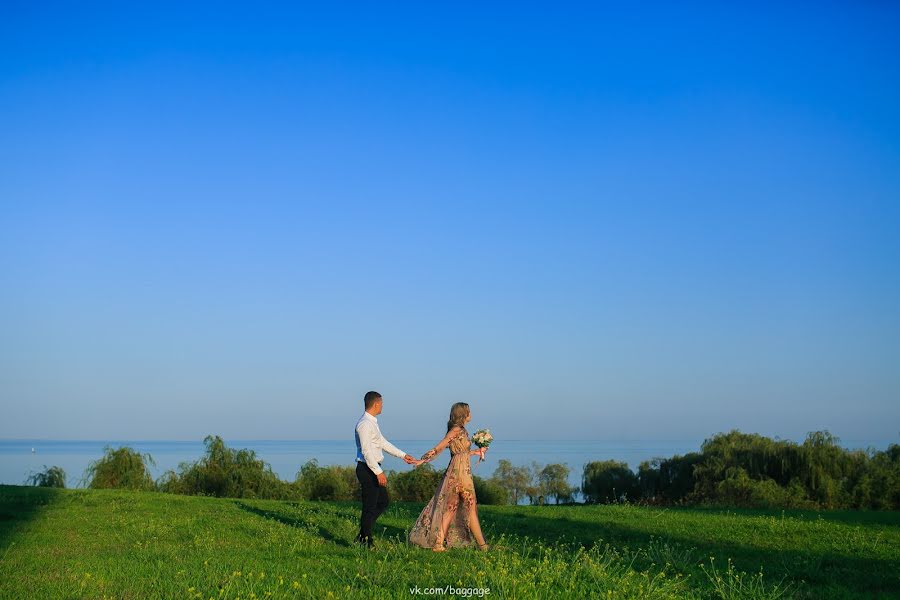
{"points": [[731, 469], [753, 471]]}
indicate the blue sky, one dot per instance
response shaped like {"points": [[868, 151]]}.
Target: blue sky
{"points": [[591, 222]]}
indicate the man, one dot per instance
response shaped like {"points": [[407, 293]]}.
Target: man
{"points": [[369, 446]]}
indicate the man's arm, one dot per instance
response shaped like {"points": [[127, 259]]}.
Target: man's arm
{"points": [[391, 449], [366, 437], [395, 451]]}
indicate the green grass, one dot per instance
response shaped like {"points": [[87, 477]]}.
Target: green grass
{"points": [[118, 544]]}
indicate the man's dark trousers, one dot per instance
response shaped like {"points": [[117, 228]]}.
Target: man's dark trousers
{"points": [[374, 501]]}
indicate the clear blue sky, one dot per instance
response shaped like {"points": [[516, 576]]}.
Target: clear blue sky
{"points": [[662, 223]]}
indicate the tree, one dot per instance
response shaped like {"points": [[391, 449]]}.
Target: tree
{"points": [[609, 481], [53, 477], [415, 485], [121, 468], [515, 480], [554, 481], [533, 490], [229, 473]]}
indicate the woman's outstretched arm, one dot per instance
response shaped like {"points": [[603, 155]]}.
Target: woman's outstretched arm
{"points": [[442, 444]]}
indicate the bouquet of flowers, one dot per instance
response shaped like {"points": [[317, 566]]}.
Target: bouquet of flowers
{"points": [[482, 439]]}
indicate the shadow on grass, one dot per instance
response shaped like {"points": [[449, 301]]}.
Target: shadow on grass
{"points": [[846, 517], [390, 532], [294, 521], [842, 575], [352, 510], [332, 509], [19, 505]]}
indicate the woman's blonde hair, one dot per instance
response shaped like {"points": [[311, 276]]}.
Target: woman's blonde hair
{"points": [[458, 414]]}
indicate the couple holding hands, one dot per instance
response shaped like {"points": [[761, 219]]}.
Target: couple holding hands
{"points": [[442, 523]]}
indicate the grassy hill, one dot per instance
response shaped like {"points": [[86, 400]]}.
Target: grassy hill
{"points": [[117, 544]]}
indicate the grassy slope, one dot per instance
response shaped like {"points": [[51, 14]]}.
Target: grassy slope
{"points": [[88, 543]]}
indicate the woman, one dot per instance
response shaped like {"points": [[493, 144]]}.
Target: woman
{"points": [[451, 516]]}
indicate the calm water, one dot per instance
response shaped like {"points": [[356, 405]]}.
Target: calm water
{"points": [[17, 460]]}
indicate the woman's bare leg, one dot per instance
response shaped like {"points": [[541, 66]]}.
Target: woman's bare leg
{"points": [[474, 525], [445, 526]]}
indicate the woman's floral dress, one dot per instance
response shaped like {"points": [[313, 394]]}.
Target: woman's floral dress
{"points": [[456, 487]]}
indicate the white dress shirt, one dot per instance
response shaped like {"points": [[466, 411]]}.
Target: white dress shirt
{"points": [[370, 442]]}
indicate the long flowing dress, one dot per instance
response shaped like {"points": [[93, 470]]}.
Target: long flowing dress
{"points": [[456, 486]]}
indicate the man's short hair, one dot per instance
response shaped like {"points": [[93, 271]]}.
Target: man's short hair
{"points": [[371, 398]]}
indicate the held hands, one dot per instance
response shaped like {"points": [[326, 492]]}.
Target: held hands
{"points": [[412, 461], [479, 452]]}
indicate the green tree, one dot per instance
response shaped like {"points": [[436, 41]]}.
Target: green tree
{"points": [[415, 485], [54, 477], [488, 491], [554, 482], [609, 481], [226, 472], [121, 468], [517, 481], [668, 480], [335, 482]]}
